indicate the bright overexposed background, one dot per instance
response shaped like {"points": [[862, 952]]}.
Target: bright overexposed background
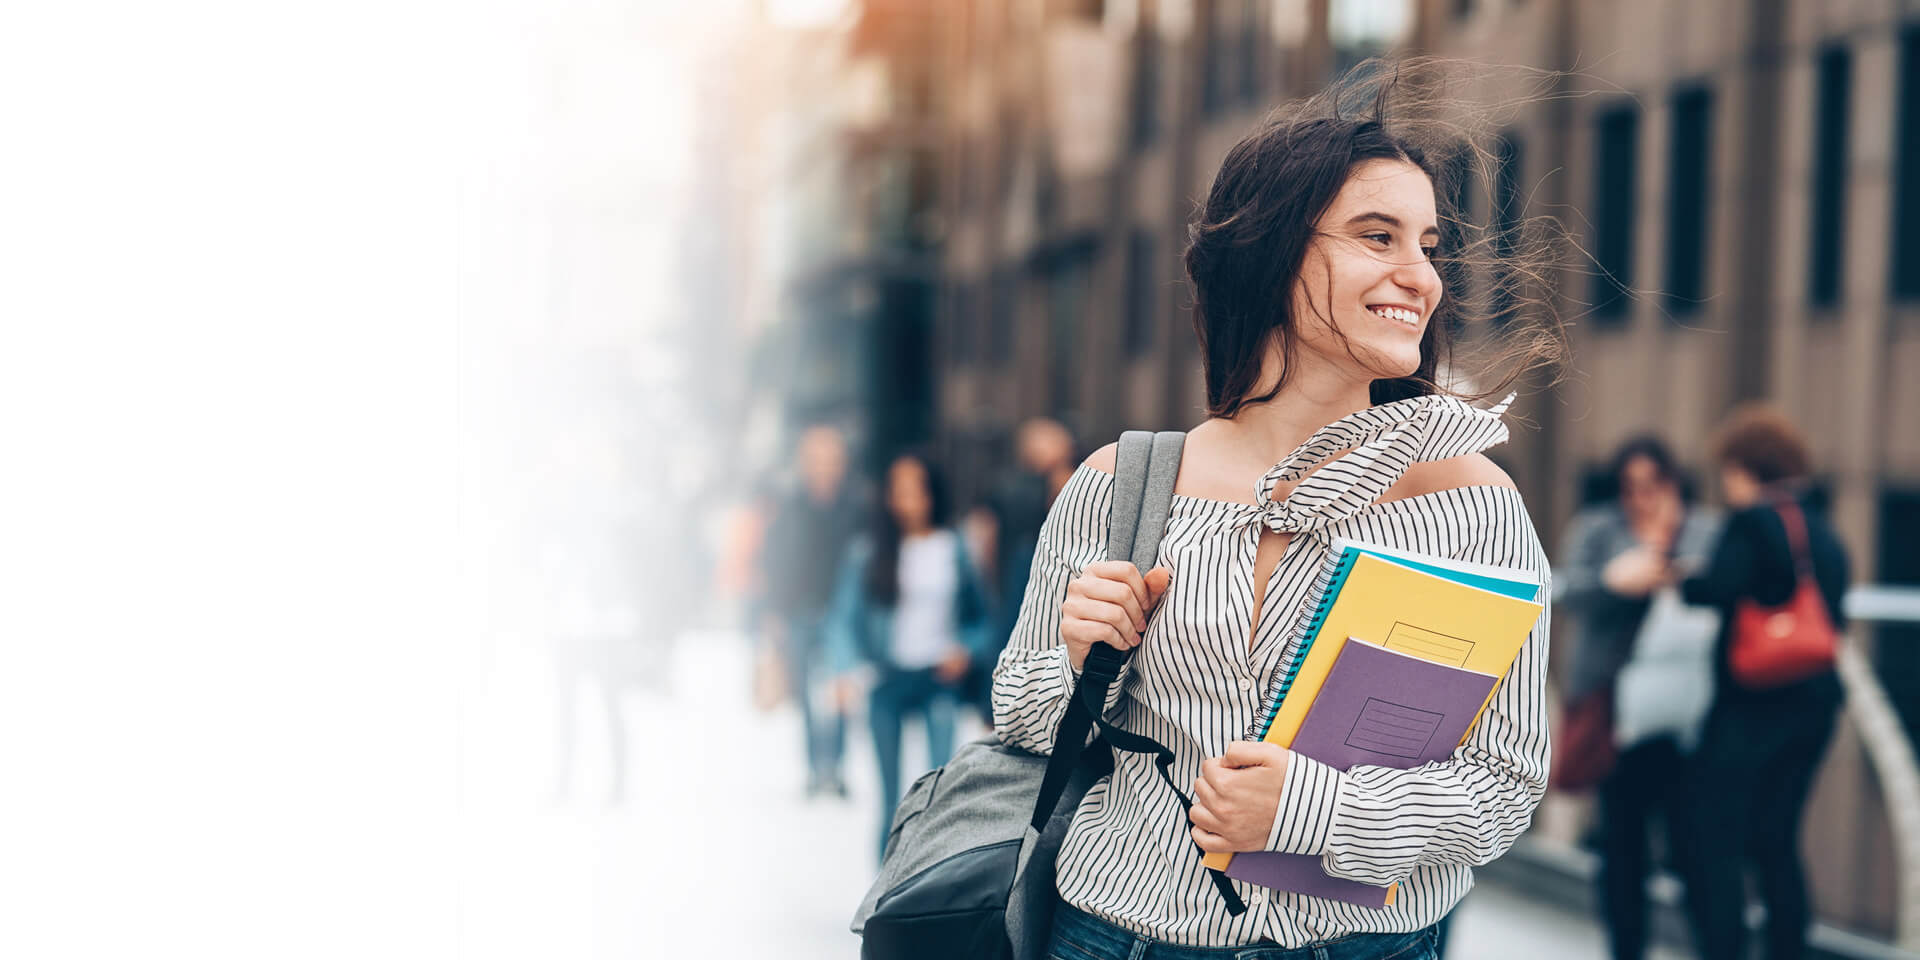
{"points": [[262, 265]]}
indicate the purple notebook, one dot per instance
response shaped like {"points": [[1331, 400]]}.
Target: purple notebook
{"points": [[1377, 708]]}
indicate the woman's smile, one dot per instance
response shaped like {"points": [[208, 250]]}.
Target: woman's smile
{"points": [[1401, 314]]}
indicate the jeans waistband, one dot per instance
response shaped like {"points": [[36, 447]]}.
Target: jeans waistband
{"points": [[1098, 939]]}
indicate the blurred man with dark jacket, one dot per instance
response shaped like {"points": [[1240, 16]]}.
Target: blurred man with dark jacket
{"points": [[811, 528], [1018, 505]]}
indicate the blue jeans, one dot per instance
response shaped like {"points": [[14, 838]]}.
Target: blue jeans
{"points": [[1081, 936], [898, 694], [823, 725]]}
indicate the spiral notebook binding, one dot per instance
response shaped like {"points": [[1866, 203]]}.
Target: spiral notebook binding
{"points": [[1301, 641]]}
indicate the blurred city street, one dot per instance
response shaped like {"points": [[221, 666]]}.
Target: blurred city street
{"points": [[446, 439], [717, 853]]}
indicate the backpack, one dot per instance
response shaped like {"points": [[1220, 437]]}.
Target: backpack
{"points": [[969, 865]]}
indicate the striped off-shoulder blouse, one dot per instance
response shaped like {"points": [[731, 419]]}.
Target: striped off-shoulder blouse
{"points": [[1196, 684]]}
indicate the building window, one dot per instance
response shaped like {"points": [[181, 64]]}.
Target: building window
{"points": [[963, 324], [1143, 288], [1509, 211], [1906, 191], [1094, 10], [1218, 64], [1002, 308], [901, 384], [1897, 646], [1068, 279], [1230, 64], [1688, 196], [1617, 139], [1834, 79], [1146, 84], [1251, 33]]}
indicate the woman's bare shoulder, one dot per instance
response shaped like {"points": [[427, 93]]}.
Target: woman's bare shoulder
{"points": [[1433, 476], [1103, 458]]}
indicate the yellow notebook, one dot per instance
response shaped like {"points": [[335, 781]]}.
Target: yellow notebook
{"points": [[1417, 613]]}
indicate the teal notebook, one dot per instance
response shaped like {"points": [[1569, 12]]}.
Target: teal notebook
{"points": [[1510, 583]]}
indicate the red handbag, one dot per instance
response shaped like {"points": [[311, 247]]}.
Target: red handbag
{"points": [[1775, 646], [1584, 752]]}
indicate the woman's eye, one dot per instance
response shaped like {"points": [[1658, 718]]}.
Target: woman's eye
{"points": [[1430, 252], [1379, 238]]}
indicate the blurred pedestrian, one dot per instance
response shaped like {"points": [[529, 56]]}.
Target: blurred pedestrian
{"points": [[1317, 276], [592, 528], [1018, 504], [1616, 554], [909, 613], [1763, 744], [809, 533]]}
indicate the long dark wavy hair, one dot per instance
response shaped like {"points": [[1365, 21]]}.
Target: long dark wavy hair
{"points": [[883, 572], [1250, 238]]}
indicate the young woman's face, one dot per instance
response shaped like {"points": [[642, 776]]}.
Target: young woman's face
{"points": [[907, 495], [1738, 487], [1369, 273], [822, 460], [1644, 490]]}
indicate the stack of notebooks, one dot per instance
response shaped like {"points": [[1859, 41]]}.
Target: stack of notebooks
{"points": [[1403, 653]]}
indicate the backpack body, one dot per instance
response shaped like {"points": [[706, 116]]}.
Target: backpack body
{"points": [[966, 874]]}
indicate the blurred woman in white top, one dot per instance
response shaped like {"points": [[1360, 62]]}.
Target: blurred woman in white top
{"points": [[908, 609]]}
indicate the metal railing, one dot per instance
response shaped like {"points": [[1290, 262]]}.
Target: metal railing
{"points": [[1888, 748]]}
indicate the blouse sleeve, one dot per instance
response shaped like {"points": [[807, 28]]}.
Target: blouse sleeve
{"points": [[1033, 677], [1375, 824]]}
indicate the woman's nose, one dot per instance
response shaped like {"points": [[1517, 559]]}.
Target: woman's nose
{"points": [[1419, 277]]}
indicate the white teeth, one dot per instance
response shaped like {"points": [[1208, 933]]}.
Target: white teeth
{"points": [[1407, 317]]}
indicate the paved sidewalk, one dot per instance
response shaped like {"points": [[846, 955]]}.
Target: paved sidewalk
{"points": [[715, 853]]}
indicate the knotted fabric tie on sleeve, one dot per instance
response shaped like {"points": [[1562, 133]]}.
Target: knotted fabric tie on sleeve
{"points": [[1381, 443]]}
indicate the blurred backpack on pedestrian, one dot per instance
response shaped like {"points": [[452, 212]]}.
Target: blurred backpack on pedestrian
{"points": [[969, 866]]}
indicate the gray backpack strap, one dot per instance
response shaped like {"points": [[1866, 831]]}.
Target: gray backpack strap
{"points": [[1157, 502], [1145, 467]]}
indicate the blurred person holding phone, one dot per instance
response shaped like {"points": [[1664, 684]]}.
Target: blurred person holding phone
{"points": [[1616, 554]]}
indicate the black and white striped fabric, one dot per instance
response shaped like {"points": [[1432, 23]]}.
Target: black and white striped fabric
{"points": [[1195, 685]]}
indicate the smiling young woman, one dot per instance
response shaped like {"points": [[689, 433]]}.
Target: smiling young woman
{"points": [[1320, 265]]}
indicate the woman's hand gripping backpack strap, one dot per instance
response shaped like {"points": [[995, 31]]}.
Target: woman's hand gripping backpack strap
{"points": [[1145, 469]]}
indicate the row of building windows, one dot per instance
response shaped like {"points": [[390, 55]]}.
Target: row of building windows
{"points": [[983, 314], [1691, 117], [1616, 179]]}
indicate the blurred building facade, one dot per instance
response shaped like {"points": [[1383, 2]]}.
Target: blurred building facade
{"points": [[996, 223], [1745, 166]]}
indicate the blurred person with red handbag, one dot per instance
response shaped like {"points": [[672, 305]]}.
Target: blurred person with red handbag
{"points": [[1778, 576]]}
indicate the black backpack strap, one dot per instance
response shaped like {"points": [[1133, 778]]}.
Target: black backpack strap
{"points": [[1145, 468]]}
